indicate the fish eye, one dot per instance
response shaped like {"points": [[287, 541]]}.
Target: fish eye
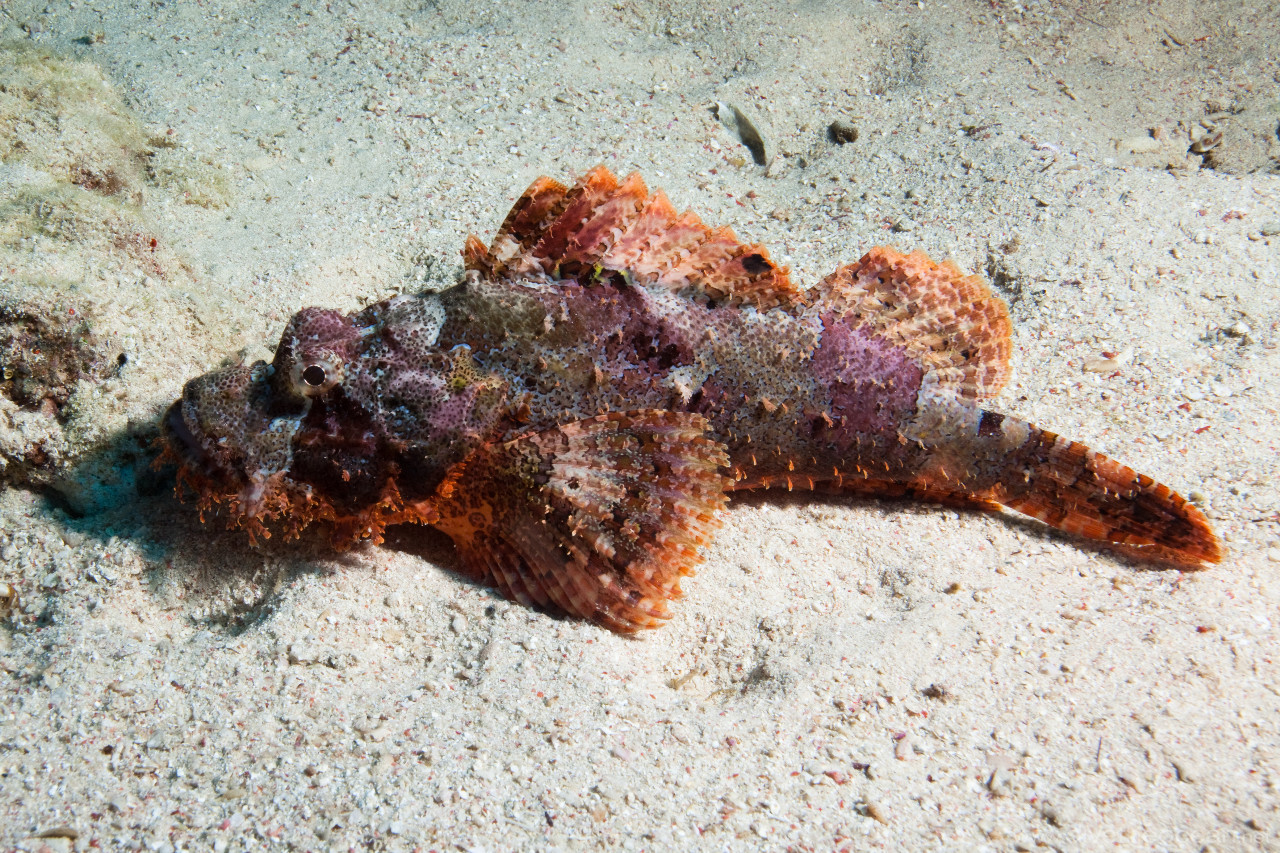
{"points": [[313, 375]]}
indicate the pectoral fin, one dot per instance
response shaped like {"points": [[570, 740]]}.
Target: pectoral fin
{"points": [[598, 518]]}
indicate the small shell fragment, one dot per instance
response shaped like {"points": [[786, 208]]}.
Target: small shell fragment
{"points": [[1098, 364], [1107, 362], [873, 811], [748, 131], [1239, 329], [1207, 142]]}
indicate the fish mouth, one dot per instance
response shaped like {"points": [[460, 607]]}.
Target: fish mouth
{"points": [[185, 447], [181, 439], [214, 485], [206, 401]]}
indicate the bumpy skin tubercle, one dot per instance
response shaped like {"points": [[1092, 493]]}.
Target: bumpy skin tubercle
{"points": [[573, 411]]}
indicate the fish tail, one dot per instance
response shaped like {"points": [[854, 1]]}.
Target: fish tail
{"points": [[1068, 486]]}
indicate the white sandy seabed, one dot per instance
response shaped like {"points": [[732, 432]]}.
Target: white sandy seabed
{"points": [[844, 674]]}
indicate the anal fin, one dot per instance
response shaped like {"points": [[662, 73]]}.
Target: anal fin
{"points": [[598, 518]]}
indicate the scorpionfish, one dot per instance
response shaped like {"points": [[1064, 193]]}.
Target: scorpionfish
{"points": [[574, 410]]}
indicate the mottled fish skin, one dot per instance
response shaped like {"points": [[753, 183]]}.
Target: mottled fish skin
{"points": [[573, 412]]}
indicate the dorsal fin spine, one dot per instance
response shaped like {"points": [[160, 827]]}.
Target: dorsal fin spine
{"points": [[618, 226]]}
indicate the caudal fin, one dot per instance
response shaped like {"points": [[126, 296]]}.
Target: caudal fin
{"points": [[1070, 487]]}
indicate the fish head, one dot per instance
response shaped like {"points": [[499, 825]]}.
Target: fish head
{"points": [[354, 422]]}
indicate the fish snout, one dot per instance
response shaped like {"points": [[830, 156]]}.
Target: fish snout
{"points": [[214, 417]]}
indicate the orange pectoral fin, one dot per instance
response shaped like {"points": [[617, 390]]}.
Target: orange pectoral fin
{"points": [[598, 518]]}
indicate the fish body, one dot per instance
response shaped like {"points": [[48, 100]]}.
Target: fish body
{"points": [[573, 412]]}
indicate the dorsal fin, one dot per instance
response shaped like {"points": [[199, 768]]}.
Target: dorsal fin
{"points": [[541, 203], [601, 224], [951, 323]]}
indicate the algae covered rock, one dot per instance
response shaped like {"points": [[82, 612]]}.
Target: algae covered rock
{"points": [[45, 351], [94, 301]]}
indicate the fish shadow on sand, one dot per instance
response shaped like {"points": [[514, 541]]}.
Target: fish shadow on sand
{"points": [[220, 578], [1129, 557]]}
